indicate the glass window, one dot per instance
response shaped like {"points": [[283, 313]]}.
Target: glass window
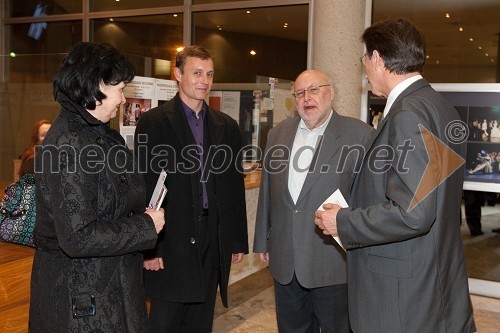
{"points": [[36, 49], [149, 41], [41, 8], [247, 43], [102, 5], [27, 90], [461, 36], [214, 1]]}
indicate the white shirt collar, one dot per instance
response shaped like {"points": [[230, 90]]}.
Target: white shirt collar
{"points": [[398, 90]]}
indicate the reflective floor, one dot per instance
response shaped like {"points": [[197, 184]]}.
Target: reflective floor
{"points": [[252, 299], [483, 252], [252, 308]]}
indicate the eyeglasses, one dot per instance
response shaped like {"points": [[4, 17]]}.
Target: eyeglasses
{"points": [[312, 90], [362, 60]]}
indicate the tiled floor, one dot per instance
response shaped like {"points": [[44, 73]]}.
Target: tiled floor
{"points": [[252, 299], [255, 314]]}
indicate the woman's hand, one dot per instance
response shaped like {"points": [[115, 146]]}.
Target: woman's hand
{"points": [[158, 218]]}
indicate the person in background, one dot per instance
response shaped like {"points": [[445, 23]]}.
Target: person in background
{"points": [[473, 200], [206, 224], [308, 268], [28, 156], [92, 222], [405, 258]]}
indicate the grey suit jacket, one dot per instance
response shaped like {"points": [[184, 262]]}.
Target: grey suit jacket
{"points": [[406, 268], [287, 230]]}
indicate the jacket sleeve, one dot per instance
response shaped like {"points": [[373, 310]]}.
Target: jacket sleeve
{"points": [[84, 223], [240, 235], [263, 219], [145, 141], [396, 218]]}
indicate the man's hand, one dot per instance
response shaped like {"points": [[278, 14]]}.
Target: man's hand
{"points": [[237, 257], [327, 220], [154, 264]]}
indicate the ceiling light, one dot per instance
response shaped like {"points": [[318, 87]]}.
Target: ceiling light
{"points": [[492, 60], [13, 54], [437, 62], [220, 28], [248, 12], [480, 47], [252, 52], [471, 39], [447, 15], [486, 54], [179, 49], [427, 57], [285, 25], [460, 29], [111, 19], [175, 15]]}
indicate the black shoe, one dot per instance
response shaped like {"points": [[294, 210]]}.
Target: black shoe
{"points": [[496, 230], [478, 233]]}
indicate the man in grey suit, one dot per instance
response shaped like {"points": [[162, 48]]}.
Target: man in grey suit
{"points": [[405, 259], [306, 159]]}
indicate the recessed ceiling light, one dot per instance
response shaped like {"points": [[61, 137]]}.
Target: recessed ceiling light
{"points": [[175, 15], [492, 60], [427, 57], [111, 19], [460, 29], [252, 52], [486, 54], [248, 12], [471, 39], [480, 47], [447, 15], [180, 48], [13, 54], [437, 62]]}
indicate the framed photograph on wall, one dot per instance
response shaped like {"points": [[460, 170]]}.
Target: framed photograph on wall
{"points": [[478, 105]]}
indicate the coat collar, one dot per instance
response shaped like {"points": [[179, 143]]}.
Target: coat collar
{"points": [[175, 114], [79, 112]]}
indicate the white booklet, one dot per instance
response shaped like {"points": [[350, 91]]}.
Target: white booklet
{"points": [[159, 192], [338, 199]]}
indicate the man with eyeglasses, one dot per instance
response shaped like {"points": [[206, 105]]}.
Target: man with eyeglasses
{"points": [[307, 158], [405, 259]]}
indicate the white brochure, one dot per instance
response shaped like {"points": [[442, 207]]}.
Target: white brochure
{"points": [[338, 199], [159, 192]]}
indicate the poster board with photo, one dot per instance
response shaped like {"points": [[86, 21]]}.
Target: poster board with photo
{"points": [[478, 105]]}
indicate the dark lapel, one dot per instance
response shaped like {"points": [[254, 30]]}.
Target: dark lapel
{"points": [[287, 136], [176, 116], [215, 126]]}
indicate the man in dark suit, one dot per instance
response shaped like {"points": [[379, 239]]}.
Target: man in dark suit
{"points": [[307, 158], [405, 259], [205, 221]]}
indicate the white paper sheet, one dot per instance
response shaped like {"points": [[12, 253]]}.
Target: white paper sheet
{"points": [[338, 199]]}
